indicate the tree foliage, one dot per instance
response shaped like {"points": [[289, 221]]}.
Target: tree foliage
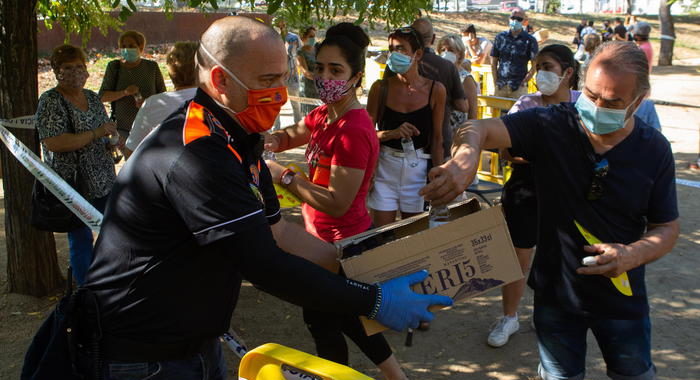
{"points": [[392, 12], [80, 16]]}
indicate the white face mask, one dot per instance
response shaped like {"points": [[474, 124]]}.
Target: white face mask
{"points": [[450, 56], [547, 82]]}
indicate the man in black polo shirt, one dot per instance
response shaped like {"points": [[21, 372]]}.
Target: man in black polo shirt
{"points": [[601, 200], [190, 217]]}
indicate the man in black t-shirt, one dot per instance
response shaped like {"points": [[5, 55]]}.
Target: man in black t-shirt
{"points": [[194, 212], [600, 200], [620, 32]]}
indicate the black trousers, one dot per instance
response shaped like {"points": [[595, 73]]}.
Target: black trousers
{"points": [[327, 329]]}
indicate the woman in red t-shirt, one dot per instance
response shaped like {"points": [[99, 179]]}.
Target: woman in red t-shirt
{"points": [[342, 154]]}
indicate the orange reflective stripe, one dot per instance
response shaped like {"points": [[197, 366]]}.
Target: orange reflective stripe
{"points": [[235, 153], [195, 127]]}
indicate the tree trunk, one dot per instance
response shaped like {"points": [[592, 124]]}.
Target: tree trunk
{"points": [[668, 34], [32, 264]]}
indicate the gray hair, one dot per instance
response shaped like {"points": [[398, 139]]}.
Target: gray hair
{"points": [[455, 42], [626, 57]]}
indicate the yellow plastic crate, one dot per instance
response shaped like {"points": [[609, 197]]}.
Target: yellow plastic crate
{"points": [[276, 362]]}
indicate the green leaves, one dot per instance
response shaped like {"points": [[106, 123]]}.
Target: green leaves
{"points": [[301, 13], [273, 6], [79, 16]]}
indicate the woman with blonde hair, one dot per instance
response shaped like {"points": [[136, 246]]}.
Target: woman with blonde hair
{"points": [[451, 48]]}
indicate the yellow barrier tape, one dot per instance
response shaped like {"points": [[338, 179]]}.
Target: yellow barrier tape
{"points": [[621, 282]]}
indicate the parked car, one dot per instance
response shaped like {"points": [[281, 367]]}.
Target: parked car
{"points": [[508, 6]]}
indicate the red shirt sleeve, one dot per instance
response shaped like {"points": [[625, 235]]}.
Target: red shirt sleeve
{"points": [[316, 117], [356, 141]]}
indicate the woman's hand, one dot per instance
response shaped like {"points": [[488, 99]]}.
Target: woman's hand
{"points": [[276, 171], [106, 129], [405, 130], [131, 90], [273, 142]]}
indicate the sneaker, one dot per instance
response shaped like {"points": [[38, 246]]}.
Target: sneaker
{"points": [[502, 331]]}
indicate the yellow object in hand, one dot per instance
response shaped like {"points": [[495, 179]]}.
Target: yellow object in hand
{"points": [[621, 282], [286, 198]]}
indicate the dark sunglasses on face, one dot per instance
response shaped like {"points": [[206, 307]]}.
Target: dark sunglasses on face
{"points": [[517, 18], [600, 170]]}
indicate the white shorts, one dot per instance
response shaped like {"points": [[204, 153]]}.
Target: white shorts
{"points": [[396, 184]]}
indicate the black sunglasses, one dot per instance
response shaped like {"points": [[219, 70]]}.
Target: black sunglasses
{"points": [[600, 170], [517, 18]]}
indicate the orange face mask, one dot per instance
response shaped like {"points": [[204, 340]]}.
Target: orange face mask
{"points": [[263, 107], [264, 104]]}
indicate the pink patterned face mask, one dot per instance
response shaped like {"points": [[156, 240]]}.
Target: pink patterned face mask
{"points": [[331, 90]]}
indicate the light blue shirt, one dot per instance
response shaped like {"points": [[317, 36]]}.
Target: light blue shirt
{"points": [[647, 112]]}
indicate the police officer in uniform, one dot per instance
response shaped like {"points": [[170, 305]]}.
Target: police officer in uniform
{"points": [[194, 212]]}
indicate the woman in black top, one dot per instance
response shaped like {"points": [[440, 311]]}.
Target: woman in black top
{"points": [[408, 109], [129, 81]]}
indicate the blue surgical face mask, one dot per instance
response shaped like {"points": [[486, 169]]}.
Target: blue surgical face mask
{"points": [[130, 54], [311, 41], [516, 25], [599, 120], [399, 63]]}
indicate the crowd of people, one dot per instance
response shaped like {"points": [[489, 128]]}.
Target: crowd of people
{"points": [[193, 211]]}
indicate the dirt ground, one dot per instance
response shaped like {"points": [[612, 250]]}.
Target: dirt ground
{"points": [[455, 346]]}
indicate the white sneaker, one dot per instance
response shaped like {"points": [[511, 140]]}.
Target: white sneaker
{"points": [[502, 331]]}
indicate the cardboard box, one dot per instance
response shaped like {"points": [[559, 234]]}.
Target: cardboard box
{"points": [[468, 256]]}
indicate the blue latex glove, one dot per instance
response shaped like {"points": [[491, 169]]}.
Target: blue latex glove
{"points": [[402, 308]]}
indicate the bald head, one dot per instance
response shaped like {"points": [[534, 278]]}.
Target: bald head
{"points": [[236, 39], [425, 30]]}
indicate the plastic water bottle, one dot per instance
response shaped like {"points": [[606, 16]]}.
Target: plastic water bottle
{"points": [[268, 155], [114, 139], [438, 215], [138, 98], [409, 151]]}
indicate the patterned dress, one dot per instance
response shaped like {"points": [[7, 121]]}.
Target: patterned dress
{"points": [[146, 76], [94, 162]]}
